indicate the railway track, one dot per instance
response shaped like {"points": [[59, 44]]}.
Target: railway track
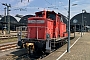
{"points": [[26, 56], [7, 47]]}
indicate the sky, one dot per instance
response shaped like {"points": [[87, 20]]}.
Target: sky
{"points": [[61, 6]]}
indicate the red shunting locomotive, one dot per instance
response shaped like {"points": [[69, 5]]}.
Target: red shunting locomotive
{"points": [[44, 31]]}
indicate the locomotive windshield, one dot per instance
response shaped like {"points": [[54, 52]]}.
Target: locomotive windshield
{"points": [[51, 15], [39, 14]]}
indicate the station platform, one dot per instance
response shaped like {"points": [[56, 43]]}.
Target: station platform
{"points": [[79, 49]]}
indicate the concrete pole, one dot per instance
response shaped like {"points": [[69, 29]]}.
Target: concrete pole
{"points": [[5, 20], [5, 15], [8, 17]]}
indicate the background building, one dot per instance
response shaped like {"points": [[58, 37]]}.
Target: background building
{"points": [[13, 22], [83, 19]]}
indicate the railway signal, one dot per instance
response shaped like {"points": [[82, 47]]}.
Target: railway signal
{"points": [[8, 6]]}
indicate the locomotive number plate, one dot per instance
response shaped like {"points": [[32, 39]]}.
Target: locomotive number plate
{"points": [[36, 21]]}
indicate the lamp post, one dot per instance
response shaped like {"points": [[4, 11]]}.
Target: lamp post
{"points": [[82, 23], [8, 16], [68, 44]]}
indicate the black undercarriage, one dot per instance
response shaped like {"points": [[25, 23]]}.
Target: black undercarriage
{"points": [[40, 45]]}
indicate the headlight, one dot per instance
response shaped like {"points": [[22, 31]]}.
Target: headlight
{"points": [[19, 34]]}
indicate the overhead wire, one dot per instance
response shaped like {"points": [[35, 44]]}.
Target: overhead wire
{"points": [[48, 2], [56, 4], [52, 5]]}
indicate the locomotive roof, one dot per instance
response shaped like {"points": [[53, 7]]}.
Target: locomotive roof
{"points": [[46, 11]]}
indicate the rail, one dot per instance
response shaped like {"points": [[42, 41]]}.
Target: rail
{"points": [[9, 46], [7, 36]]}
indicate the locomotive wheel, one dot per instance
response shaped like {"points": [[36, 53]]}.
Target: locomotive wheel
{"points": [[30, 51]]}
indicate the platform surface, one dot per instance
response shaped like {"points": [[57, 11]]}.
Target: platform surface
{"points": [[79, 51]]}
